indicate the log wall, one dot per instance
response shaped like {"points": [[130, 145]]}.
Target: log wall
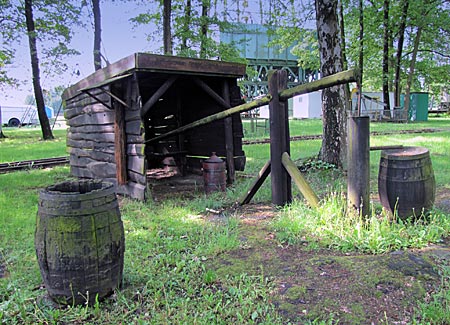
{"points": [[91, 139]]}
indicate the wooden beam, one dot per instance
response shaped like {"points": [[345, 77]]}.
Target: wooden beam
{"points": [[328, 81], [299, 180], [120, 151], [278, 175], [215, 117], [117, 98], [157, 95], [97, 99], [229, 138], [386, 147], [258, 181], [211, 93]]}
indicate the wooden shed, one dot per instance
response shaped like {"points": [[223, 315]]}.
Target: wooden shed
{"points": [[114, 113]]}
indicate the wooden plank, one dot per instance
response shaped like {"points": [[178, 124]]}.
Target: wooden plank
{"points": [[102, 169], [105, 128], [136, 164], [91, 145], [135, 149], [120, 141], [300, 181], [92, 119], [229, 145], [215, 117], [258, 181], [88, 108], [189, 65], [94, 137], [133, 190], [93, 154]]}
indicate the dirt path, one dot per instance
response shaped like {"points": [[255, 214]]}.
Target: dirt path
{"points": [[355, 288]]}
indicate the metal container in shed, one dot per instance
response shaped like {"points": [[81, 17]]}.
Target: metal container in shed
{"points": [[214, 175]]}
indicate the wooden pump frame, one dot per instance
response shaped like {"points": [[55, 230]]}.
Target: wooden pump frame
{"points": [[280, 165]]}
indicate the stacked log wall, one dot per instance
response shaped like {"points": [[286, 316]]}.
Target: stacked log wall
{"points": [[90, 142]]}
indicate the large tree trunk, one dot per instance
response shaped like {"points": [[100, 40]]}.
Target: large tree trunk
{"points": [[97, 34], [411, 68], [167, 32], [398, 62], [387, 105], [334, 139], [43, 119]]}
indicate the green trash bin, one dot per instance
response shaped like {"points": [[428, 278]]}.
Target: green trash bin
{"points": [[418, 107]]}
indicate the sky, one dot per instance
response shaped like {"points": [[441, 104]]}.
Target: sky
{"points": [[119, 40]]}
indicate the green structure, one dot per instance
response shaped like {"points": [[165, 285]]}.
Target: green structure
{"points": [[254, 42], [418, 106]]}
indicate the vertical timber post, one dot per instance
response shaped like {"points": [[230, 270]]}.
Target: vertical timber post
{"points": [[229, 139], [120, 150], [279, 177], [358, 188], [284, 116]]}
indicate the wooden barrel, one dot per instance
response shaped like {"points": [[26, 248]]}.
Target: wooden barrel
{"points": [[79, 241], [406, 181]]}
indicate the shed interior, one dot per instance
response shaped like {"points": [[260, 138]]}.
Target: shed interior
{"points": [[144, 96]]}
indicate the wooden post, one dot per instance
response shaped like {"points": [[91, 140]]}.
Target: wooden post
{"points": [[259, 180], [284, 117], [120, 150], [229, 138], [300, 181], [358, 179], [277, 141]]}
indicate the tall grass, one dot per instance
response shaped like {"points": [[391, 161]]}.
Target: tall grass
{"points": [[330, 226]]}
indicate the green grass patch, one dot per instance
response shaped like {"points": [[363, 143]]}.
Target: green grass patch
{"points": [[167, 279]]}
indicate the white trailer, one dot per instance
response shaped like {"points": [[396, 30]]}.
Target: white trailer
{"points": [[15, 116]]}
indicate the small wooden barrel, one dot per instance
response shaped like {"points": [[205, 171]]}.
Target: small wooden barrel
{"points": [[214, 176], [406, 181], [79, 241]]}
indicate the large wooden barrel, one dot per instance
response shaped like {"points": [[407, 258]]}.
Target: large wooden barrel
{"points": [[406, 181], [79, 241]]}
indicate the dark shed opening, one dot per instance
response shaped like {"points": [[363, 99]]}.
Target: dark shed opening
{"points": [[114, 114]]}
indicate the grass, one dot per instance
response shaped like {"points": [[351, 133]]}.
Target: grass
{"points": [[168, 244]]}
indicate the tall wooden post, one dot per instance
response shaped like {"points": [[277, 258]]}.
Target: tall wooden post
{"points": [[278, 140], [120, 150], [229, 139], [358, 188]]}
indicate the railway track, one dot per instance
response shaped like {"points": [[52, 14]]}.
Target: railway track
{"points": [[316, 137], [32, 164]]}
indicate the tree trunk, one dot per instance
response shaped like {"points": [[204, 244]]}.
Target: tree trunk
{"points": [[387, 106], [401, 38], [186, 24], [361, 44], [43, 119], [167, 33], [2, 136], [204, 28], [334, 115], [411, 68], [97, 34]]}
